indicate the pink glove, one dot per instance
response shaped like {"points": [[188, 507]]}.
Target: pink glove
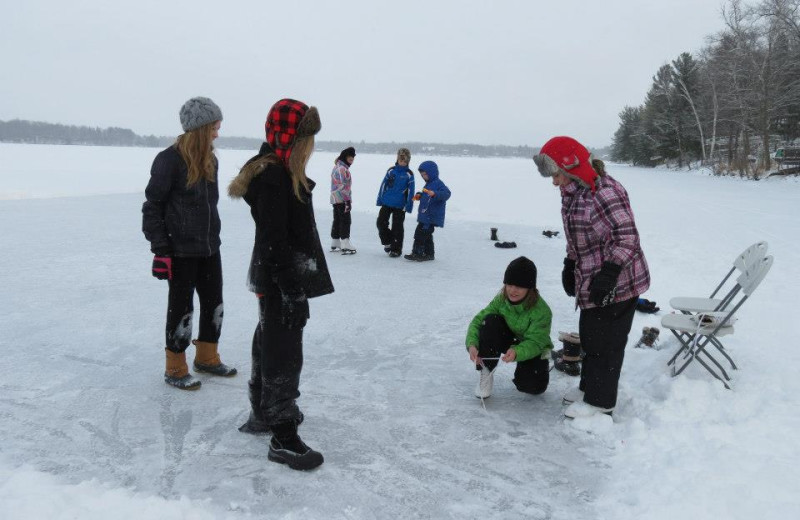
{"points": [[162, 267]]}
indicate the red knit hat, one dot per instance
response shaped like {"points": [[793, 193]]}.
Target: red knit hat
{"points": [[567, 156], [287, 120]]}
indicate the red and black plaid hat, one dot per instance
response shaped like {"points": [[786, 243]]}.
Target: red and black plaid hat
{"points": [[287, 120]]}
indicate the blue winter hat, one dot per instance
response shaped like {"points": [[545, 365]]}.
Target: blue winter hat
{"points": [[430, 168]]}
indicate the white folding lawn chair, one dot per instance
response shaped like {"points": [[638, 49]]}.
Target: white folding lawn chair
{"points": [[751, 256], [696, 332]]}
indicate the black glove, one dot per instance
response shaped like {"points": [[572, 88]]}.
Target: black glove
{"points": [[294, 310], [604, 284], [568, 277], [347, 206]]}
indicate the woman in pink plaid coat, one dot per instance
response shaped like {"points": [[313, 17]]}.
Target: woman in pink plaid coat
{"points": [[605, 269]]}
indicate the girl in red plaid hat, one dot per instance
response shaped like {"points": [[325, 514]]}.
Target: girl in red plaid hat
{"points": [[287, 267], [605, 269]]}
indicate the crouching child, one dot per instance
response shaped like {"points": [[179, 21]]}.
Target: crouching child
{"points": [[515, 326]]}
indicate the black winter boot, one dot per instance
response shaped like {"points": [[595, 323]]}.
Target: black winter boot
{"points": [[286, 447]]}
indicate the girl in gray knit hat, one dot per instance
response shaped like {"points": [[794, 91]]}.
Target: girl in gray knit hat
{"points": [[181, 222]]}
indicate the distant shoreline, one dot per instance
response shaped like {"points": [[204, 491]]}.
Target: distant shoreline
{"points": [[19, 131]]}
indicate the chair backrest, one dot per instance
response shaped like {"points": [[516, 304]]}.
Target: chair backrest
{"points": [[750, 256], [754, 275], [748, 281]]}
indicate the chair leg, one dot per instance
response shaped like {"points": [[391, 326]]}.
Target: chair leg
{"points": [[684, 346], [702, 350], [718, 345], [711, 371]]}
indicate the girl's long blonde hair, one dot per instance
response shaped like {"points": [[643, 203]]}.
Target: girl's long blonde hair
{"points": [[301, 153], [197, 149], [530, 299]]}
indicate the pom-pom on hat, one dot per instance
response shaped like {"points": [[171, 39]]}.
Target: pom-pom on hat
{"points": [[521, 272], [287, 120], [199, 111], [567, 156]]}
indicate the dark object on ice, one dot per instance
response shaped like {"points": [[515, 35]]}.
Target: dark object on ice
{"points": [[505, 245], [647, 306], [572, 348], [494, 234], [649, 337], [550, 234], [571, 368]]}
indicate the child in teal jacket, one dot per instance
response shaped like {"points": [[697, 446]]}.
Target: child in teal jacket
{"points": [[515, 326]]}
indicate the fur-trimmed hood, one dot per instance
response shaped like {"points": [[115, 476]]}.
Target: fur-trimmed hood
{"points": [[238, 186]]}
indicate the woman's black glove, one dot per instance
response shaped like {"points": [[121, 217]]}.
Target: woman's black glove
{"points": [[294, 310], [604, 284], [568, 277]]}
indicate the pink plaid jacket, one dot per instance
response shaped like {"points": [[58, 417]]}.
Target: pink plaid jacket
{"points": [[600, 228]]}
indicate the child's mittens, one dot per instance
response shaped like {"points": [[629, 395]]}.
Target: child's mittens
{"points": [[417, 196], [429, 192]]}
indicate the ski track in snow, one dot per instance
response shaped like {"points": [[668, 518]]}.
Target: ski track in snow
{"points": [[387, 386]]}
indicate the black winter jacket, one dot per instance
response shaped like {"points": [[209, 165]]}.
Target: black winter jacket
{"points": [[176, 219], [287, 249]]}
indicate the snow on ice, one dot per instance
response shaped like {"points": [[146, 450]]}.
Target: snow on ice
{"points": [[90, 430]]}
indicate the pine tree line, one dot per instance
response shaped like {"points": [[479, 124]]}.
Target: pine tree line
{"points": [[728, 107]]}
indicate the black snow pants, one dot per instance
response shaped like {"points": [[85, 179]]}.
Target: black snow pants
{"points": [[205, 276], [277, 360], [341, 221], [604, 334], [494, 339], [423, 240], [391, 237]]}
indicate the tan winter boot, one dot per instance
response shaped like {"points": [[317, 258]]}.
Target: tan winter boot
{"points": [[177, 373], [206, 359]]}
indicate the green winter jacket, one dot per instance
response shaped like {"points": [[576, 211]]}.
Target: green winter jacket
{"points": [[531, 327]]}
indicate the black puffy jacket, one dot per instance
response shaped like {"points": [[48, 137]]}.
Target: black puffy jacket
{"points": [[176, 219], [287, 249]]}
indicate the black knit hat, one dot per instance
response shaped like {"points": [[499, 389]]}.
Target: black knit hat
{"points": [[347, 152], [521, 272]]}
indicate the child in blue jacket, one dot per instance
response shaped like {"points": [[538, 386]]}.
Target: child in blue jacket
{"points": [[396, 198], [430, 213]]}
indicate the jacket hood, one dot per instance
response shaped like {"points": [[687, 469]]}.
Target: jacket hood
{"points": [[238, 186], [430, 168]]}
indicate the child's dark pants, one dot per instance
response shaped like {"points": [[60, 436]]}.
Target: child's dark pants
{"points": [[391, 237], [495, 338], [423, 240], [341, 221], [203, 275]]}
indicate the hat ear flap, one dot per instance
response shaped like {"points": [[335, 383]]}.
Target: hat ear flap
{"points": [[546, 165], [309, 124]]}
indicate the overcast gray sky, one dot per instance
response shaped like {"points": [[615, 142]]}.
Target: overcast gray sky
{"points": [[489, 72]]}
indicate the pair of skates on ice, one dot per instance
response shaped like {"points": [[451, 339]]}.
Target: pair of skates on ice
{"points": [[342, 246]]}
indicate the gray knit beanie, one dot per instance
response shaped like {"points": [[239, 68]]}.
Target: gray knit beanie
{"points": [[197, 112]]}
